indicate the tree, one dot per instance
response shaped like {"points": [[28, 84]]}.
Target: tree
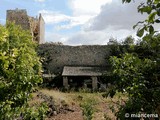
{"points": [[152, 8], [128, 41], [137, 73], [20, 72], [119, 48], [140, 79]]}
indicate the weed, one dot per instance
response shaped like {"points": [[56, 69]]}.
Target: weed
{"points": [[88, 108]]}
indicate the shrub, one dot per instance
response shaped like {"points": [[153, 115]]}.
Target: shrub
{"points": [[139, 78], [20, 71], [88, 108]]}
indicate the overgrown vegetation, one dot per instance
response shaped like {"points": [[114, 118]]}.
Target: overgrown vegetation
{"points": [[20, 73], [136, 70], [88, 108], [137, 73]]}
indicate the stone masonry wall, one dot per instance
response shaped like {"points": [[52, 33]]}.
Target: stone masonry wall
{"points": [[58, 56], [20, 17], [36, 26]]}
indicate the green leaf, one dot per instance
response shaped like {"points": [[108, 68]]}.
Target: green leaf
{"points": [[158, 5], [140, 32], [134, 26], [151, 29], [157, 21], [156, 1], [140, 22], [151, 17], [146, 9], [158, 11], [126, 1], [17, 60]]}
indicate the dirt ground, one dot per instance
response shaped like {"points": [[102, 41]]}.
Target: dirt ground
{"points": [[73, 101], [76, 115]]}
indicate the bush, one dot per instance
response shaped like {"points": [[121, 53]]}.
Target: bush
{"points": [[137, 74], [20, 71]]}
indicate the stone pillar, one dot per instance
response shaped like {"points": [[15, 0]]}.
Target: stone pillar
{"points": [[65, 82], [94, 83]]}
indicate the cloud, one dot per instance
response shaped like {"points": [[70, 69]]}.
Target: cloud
{"points": [[73, 22], [117, 15], [97, 37], [114, 20], [40, 0], [108, 19], [83, 11], [54, 37], [82, 37], [87, 7], [51, 17]]}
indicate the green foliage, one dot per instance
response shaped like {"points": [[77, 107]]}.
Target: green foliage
{"points": [[88, 108], [128, 41], [20, 70], [137, 74], [35, 113], [152, 9], [119, 48], [136, 68]]}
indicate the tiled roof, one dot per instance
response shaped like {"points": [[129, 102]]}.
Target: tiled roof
{"points": [[82, 71]]}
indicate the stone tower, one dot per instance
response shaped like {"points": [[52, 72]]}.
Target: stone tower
{"points": [[35, 25]]}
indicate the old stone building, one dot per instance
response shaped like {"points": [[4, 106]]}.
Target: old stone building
{"points": [[35, 25], [75, 63]]}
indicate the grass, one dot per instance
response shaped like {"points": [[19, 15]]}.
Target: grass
{"points": [[58, 96], [101, 105]]}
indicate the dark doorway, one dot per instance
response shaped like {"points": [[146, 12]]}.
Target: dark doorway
{"points": [[79, 82]]}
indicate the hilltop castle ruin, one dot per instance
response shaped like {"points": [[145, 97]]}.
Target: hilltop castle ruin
{"points": [[35, 25], [76, 64]]}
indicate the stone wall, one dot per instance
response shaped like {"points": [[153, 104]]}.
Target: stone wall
{"points": [[36, 26], [41, 29], [58, 56], [20, 17]]}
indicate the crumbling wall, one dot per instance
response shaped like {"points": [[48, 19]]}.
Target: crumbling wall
{"points": [[34, 28], [58, 56], [34, 25], [20, 17]]}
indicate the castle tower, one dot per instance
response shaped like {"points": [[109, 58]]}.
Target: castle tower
{"points": [[41, 29], [34, 25]]}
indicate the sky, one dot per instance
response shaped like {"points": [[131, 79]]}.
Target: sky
{"points": [[80, 22]]}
